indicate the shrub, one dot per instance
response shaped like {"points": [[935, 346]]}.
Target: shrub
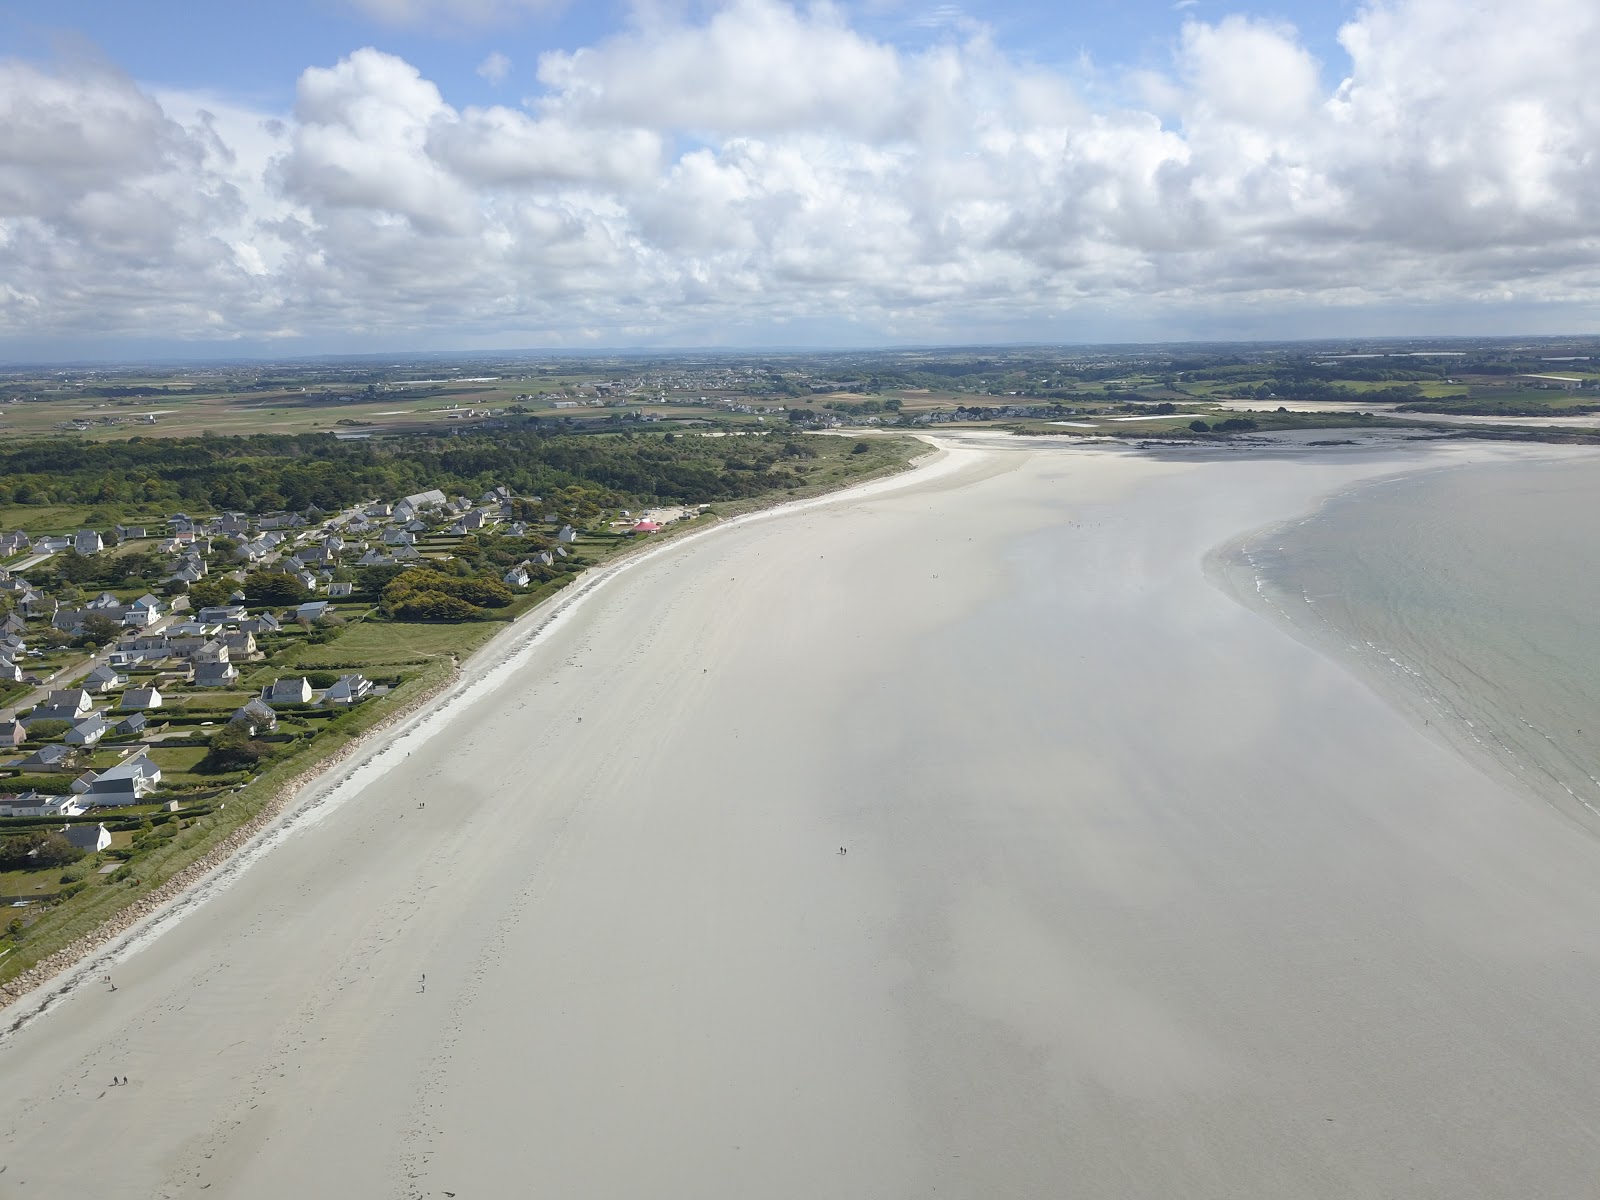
{"points": [[408, 589], [32, 851], [435, 606], [231, 748], [49, 785], [274, 587]]}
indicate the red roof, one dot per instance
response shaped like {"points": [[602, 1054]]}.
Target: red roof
{"points": [[646, 527]]}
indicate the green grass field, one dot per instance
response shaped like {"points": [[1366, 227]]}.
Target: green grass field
{"points": [[381, 644]]}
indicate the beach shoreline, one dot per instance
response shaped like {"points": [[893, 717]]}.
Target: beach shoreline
{"points": [[1138, 892], [30, 994], [1415, 685]]}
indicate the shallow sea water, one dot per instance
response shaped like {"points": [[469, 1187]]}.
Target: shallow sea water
{"points": [[1471, 596]]}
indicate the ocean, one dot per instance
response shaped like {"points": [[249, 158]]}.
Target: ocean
{"points": [[1471, 597]]}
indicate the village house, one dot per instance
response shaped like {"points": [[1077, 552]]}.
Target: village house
{"points": [[311, 610], [138, 616], [288, 691], [348, 689], [87, 731], [265, 623], [517, 577], [211, 651], [87, 541], [92, 838], [12, 735], [141, 698], [256, 716], [132, 723], [185, 645], [54, 757], [239, 644], [40, 804], [128, 782], [215, 674], [75, 699], [103, 679], [339, 590]]}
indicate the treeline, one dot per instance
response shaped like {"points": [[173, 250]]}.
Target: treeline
{"points": [[269, 472]]}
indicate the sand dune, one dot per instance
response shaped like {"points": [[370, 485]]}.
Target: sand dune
{"points": [[1142, 898]]}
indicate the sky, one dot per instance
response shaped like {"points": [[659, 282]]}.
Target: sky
{"points": [[327, 176]]}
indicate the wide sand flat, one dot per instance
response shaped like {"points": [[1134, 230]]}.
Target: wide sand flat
{"points": [[1143, 899]]}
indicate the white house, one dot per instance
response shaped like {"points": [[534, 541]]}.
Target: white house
{"points": [[87, 541], [288, 691], [140, 698], [93, 838], [215, 674], [256, 716], [126, 783], [349, 689], [87, 732], [76, 699], [104, 679], [39, 804]]}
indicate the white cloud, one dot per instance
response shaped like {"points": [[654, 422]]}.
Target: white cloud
{"points": [[495, 68], [766, 164]]}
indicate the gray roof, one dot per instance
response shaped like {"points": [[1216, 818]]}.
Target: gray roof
{"points": [[135, 766]]}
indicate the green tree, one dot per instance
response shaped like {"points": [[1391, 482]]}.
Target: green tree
{"points": [[205, 593], [98, 631], [274, 587], [232, 748], [435, 606], [73, 567], [37, 850]]}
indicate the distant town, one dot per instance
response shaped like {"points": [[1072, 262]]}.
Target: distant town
{"points": [[1122, 391]]}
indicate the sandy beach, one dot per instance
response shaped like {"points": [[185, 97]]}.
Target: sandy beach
{"points": [[1143, 896]]}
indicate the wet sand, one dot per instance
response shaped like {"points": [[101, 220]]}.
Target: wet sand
{"points": [[1143, 898]]}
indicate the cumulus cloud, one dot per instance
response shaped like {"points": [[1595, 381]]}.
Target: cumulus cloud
{"points": [[761, 164], [495, 68]]}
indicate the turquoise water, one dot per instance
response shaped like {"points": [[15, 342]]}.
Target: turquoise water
{"points": [[1471, 596]]}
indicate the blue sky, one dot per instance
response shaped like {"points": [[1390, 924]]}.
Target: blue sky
{"points": [[317, 175], [256, 51]]}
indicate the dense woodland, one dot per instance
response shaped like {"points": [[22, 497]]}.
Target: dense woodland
{"points": [[271, 472]]}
